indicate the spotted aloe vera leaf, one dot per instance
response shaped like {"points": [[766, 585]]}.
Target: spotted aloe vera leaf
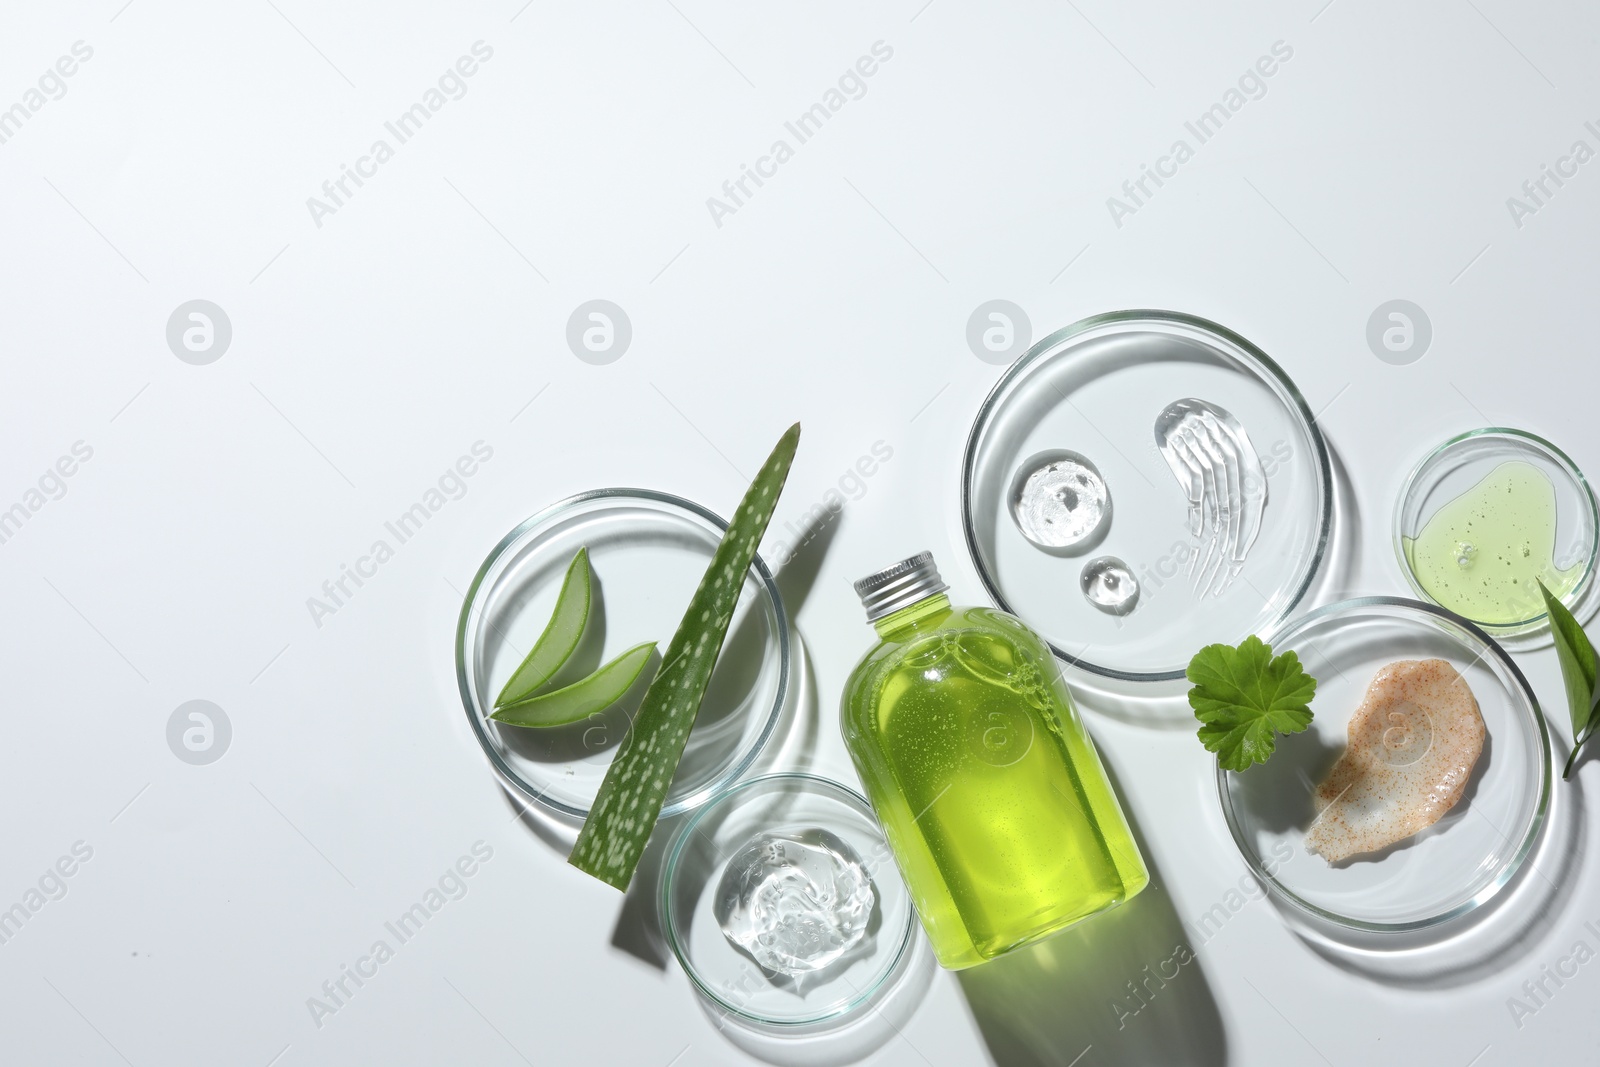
{"points": [[560, 635], [581, 699], [630, 798]]}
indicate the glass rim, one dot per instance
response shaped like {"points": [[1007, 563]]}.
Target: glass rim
{"points": [[780, 634], [1524, 847], [1274, 376], [803, 781], [1561, 460]]}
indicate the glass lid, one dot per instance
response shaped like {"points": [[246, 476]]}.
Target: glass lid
{"points": [[1143, 483]]}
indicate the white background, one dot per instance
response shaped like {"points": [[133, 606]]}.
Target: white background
{"points": [[429, 312]]}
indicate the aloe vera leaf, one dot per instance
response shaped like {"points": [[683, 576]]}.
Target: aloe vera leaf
{"points": [[581, 699], [629, 802], [1578, 672], [560, 637]]}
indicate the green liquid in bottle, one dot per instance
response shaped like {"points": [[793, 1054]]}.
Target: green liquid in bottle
{"points": [[1482, 553], [991, 795]]}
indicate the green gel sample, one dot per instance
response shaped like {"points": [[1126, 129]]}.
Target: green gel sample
{"points": [[1483, 553]]}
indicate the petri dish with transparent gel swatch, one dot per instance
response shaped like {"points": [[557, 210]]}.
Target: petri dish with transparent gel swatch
{"points": [[1176, 415], [648, 552], [863, 896]]}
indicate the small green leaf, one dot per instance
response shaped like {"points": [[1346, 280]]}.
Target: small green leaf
{"points": [[629, 802], [1244, 697], [1578, 670], [560, 637], [579, 700]]}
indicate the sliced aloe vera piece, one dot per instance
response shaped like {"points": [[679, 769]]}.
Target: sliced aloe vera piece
{"points": [[560, 637], [579, 700], [629, 802]]}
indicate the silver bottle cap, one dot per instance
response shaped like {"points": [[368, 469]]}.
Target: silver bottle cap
{"points": [[899, 586]]}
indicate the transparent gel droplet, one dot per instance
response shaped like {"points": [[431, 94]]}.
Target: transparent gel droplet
{"points": [[795, 901], [1059, 500], [1109, 585]]}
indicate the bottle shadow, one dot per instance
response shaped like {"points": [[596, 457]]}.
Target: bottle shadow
{"points": [[1126, 983]]}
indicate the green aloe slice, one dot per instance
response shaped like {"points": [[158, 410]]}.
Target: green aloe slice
{"points": [[579, 700], [560, 635], [629, 802]]}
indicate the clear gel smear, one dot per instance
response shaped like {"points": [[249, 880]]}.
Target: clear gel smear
{"points": [[795, 901]]}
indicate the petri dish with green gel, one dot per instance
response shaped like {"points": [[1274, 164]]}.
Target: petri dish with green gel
{"points": [[1487, 516]]}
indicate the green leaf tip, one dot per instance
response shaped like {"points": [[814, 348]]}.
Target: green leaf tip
{"points": [[1578, 674], [625, 810]]}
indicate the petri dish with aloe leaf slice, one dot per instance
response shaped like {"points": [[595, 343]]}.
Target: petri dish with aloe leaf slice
{"points": [[1487, 515], [647, 551]]}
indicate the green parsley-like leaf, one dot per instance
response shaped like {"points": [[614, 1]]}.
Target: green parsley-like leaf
{"points": [[1578, 671], [1244, 697]]}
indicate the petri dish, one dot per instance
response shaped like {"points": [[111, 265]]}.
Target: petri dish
{"points": [[1462, 463], [1098, 388], [1445, 871], [648, 552], [731, 980]]}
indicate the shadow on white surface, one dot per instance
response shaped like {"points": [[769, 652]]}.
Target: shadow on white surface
{"points": [[557, 831], [638, 927], [863, 1032], [1342, 555], [798, 573], [1125, 984], [793, 744]]}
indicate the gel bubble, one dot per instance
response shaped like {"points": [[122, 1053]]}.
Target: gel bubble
{"points": [[1059, 500], [1109, 585]]}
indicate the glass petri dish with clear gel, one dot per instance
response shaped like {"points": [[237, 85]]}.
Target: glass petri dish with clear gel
{"points": [[1565, 514], [648, 552], [796, 806], [1102, 389], [1447, 870]]}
